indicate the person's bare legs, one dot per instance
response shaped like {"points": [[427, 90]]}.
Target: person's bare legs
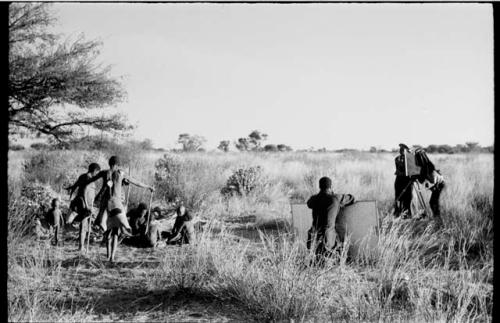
{"points": [[83, 234], [114, 245], [102, 221], [108, 238], [56, 235]]}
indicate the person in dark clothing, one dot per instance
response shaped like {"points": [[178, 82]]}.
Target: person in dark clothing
{"points": [[82, 206], [402, 185], [433, 179], [183, 231], [325, 207]]}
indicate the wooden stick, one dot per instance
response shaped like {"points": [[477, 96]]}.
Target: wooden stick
{"points": [[149, 212], [90, 231]]}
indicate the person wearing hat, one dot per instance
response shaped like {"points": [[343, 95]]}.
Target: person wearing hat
{"points": [[402, 189], [111, 218], [325, 207]]}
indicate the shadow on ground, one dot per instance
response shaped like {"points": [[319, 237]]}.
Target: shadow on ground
{"points": [[154, 305], [250, 231]]}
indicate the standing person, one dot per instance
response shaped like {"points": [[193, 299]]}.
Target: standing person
{"points": [[111, 218], [54, 217], [402, 185], [83, 204], [183, 231], [325, 207]]}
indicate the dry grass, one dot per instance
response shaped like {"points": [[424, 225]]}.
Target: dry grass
{"points": [[246, 267]]}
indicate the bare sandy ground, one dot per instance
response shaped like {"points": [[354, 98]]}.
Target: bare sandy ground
{"points": [[121, 291]]}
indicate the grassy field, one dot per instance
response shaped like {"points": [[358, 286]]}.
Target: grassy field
{"points": [[245, 266]]}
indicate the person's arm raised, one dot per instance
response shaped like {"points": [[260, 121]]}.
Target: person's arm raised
{"points": [[137, 183]]}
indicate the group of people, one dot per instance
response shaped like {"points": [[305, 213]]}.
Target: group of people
{"points": [[413, 168], [112, 217]]}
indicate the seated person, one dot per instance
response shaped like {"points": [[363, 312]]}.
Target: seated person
{"points": [[41, 231], [183, 231], [137, 219], [144, 235], [153, 235]]}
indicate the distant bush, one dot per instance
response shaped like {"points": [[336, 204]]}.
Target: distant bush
{"points": [[469, 147], [40, 146], [270, 147], [243, 181], [59, 168], [16, 147], [282, 147]]}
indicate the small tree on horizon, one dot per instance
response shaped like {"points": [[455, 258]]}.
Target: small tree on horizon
{"points": [[283, 147], [251, 143], [224, 145], [191, 142]]}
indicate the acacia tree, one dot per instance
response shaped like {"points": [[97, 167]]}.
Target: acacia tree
{"points": [[224, 145], [256, 138], [252, 142], [191, 142], [56, 87]]}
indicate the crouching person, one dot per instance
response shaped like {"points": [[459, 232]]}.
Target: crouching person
{"points": [[40, 231], [144, 234], [325, 207], [183, 231]]}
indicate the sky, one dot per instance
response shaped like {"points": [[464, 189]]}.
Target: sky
{"points": [[315, 75]]}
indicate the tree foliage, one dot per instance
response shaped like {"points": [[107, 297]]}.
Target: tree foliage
{"points": [[191, 142], [251, 143], [57, 87], [224, 145], [270, 147], [283, 147]]}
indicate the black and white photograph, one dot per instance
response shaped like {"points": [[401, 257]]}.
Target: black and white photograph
{"points": [[250, 162]]}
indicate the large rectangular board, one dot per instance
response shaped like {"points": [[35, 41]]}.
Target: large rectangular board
{"points": [[411, 167], [358, 221]]}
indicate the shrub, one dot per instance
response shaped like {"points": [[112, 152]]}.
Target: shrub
{"points": [[270, 147], [40, 146], [59, 168], [243, 181], [16, 147], [34, 201], [282, 147]]}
